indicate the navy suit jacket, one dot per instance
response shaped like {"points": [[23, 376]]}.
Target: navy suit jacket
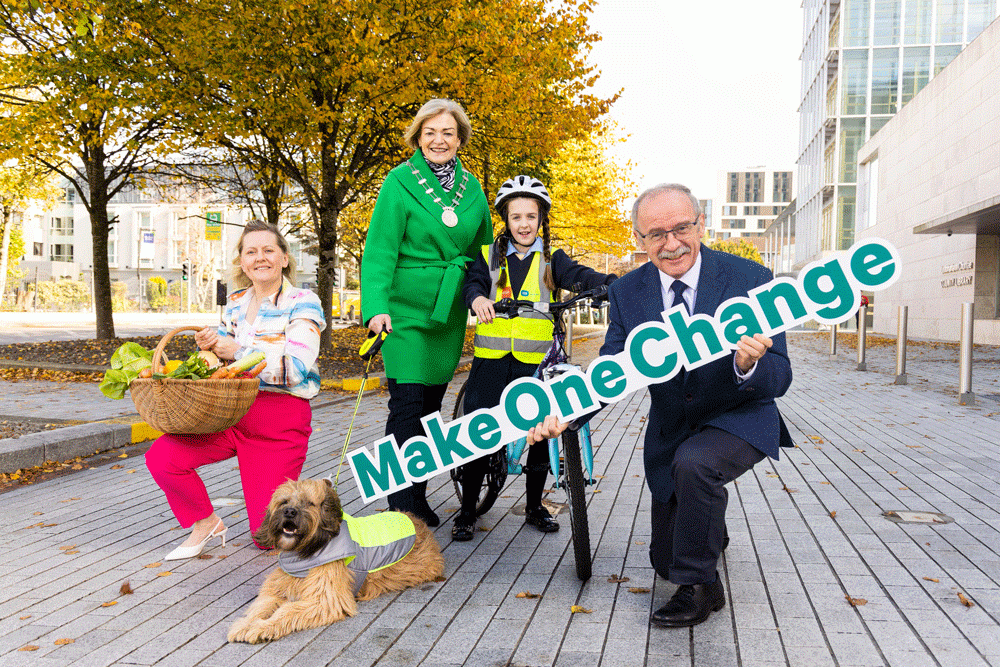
{"points": [[709, 395]]}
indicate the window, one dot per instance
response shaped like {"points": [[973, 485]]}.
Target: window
{"points": [[944, 55], [885, 77], [38, 249], [144, 231], [739, 223], [917, 29], [886, 22], [950, 17], [734, 187], [61, 252], [827, 230], [69, 194], [855, 83], [845, 217], [729, 210], [782, 186], [830, 163], [855, 22], [62, 226], [867, 194], [980, 15], [113, 246], [916, 71], [852, 136]]}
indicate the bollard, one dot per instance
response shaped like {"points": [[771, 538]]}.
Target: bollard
{"points": [[862, 338], [965, 395], [833, 341], [901, 345]]}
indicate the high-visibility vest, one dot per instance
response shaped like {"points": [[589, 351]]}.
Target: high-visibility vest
{"points": [[529, 335]]}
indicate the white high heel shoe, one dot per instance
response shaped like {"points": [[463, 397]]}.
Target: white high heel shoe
{"points": [[180, 553]]}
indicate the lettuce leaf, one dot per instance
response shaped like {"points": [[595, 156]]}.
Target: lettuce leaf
{"points": [[126, 363]]}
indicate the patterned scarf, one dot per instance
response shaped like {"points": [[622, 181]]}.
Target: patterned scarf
{"points": [[445, 172]]}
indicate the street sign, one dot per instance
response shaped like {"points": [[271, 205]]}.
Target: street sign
{"points": [[213, 226]]}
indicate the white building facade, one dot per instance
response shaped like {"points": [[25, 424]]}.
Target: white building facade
{"points": [[862, 61], [149, 238], [749, 200], [929, 183]]}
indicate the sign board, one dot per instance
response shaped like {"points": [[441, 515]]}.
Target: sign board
{"points": [[213, 226], [147, 249]]}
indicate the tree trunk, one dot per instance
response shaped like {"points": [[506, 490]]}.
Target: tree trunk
{"points": [[98, 185], [326, 268], [8, 222]]}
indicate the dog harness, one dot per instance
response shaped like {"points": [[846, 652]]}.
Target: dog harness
{"points": [[365, 545]]}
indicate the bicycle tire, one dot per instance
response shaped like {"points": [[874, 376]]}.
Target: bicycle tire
{"points": [[496, 475], [577, 504]]}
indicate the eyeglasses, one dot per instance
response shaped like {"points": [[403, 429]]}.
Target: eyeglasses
{"points": [[681, 231]]}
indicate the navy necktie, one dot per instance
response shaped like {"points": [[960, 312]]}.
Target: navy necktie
{"points": [[678, 287]]}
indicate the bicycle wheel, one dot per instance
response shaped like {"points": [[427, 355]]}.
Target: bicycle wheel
{"points": [[577, 504], [496, 475]]}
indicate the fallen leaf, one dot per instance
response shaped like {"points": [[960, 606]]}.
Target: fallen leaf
{"points": [[152, 565], [126, 589], [824, 482], [63, 642], [221, 557], [785, 488], [936, 581], [859, 450], [966, 601], [167, 574], [528, 595], [67, 547], [597, 490], [117, 466], [638, 590], [24, 618], [72, 551], [76, 467], [638, 542], [29, 647], [37, 513], [856, 602], [833, 514], [904, 488], [123, 456], [577, 609], [615, 579], [893, 472], [483, 529], [109, 604], [915, 446], [204, 556], [129, 472]]}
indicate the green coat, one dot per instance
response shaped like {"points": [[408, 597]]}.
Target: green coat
{"points": [[414, 267]]}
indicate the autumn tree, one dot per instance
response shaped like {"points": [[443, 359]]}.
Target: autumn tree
{"points": [[75, 79], [740, 247], [329, 87], [21, 184]]}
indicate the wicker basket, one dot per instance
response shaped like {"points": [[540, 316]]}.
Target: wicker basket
{"points": [[190, 406]]}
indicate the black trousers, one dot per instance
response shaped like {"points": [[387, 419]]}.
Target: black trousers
{"points": [[487, 380], [687, 530], [408, 402]]}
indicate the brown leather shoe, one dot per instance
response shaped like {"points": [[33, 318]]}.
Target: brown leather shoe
{"points": [[690, 605]]}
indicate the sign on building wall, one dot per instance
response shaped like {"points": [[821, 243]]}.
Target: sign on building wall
{"points": [[213, 226], [147, 249]]}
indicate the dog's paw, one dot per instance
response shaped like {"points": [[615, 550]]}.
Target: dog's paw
{"points": [[238, 631], [255, 632]]}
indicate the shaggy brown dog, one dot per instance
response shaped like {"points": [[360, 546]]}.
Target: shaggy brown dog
{"points": [[302, 518]]}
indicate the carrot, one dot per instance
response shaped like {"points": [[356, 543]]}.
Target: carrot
{"points": [[255, 371], [220, 374]]}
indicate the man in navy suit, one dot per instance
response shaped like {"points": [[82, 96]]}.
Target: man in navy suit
{"points": [[707, 426]]}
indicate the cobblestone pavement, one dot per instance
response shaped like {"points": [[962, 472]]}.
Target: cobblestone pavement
{"points": [[808, 538]]}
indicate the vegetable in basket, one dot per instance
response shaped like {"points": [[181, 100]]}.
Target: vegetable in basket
{"points": [[127, 363]]}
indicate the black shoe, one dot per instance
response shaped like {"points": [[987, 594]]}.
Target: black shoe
{"points": [[540, 518], [690, 605], [462, 527]]}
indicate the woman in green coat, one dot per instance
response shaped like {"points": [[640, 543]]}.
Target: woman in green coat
{"points": [[430, 220]]}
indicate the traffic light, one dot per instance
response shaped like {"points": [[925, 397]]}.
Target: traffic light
{"points": [[184, 271]]}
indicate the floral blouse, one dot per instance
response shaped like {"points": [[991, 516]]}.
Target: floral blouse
{"points": [[286, 330]]}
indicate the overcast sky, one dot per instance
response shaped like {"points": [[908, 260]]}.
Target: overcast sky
{"points": [[708, 85]]}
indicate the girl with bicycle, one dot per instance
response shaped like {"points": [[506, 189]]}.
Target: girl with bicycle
{"points": [[517, 265]]}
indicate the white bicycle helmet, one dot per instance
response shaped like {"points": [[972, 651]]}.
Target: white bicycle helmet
{"points": [[523, 186]]}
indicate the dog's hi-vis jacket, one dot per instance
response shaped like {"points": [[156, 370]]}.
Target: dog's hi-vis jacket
{"points": [[365, 545]]}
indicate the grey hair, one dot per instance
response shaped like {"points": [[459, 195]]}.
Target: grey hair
{"points": [[431, 109], [664, 187]]}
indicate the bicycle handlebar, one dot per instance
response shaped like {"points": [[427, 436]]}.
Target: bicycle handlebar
{"points": [[511, 307]]}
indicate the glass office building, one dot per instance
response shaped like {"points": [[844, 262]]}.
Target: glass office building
{"points": [[863, 60]]}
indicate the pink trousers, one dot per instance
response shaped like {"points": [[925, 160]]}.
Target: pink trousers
{"points": [[270, 443]]}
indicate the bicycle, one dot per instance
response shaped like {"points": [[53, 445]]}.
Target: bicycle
{"points": [[576, 443]]}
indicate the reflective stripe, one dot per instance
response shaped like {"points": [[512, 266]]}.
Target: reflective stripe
{"points": [[527, 336]]}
